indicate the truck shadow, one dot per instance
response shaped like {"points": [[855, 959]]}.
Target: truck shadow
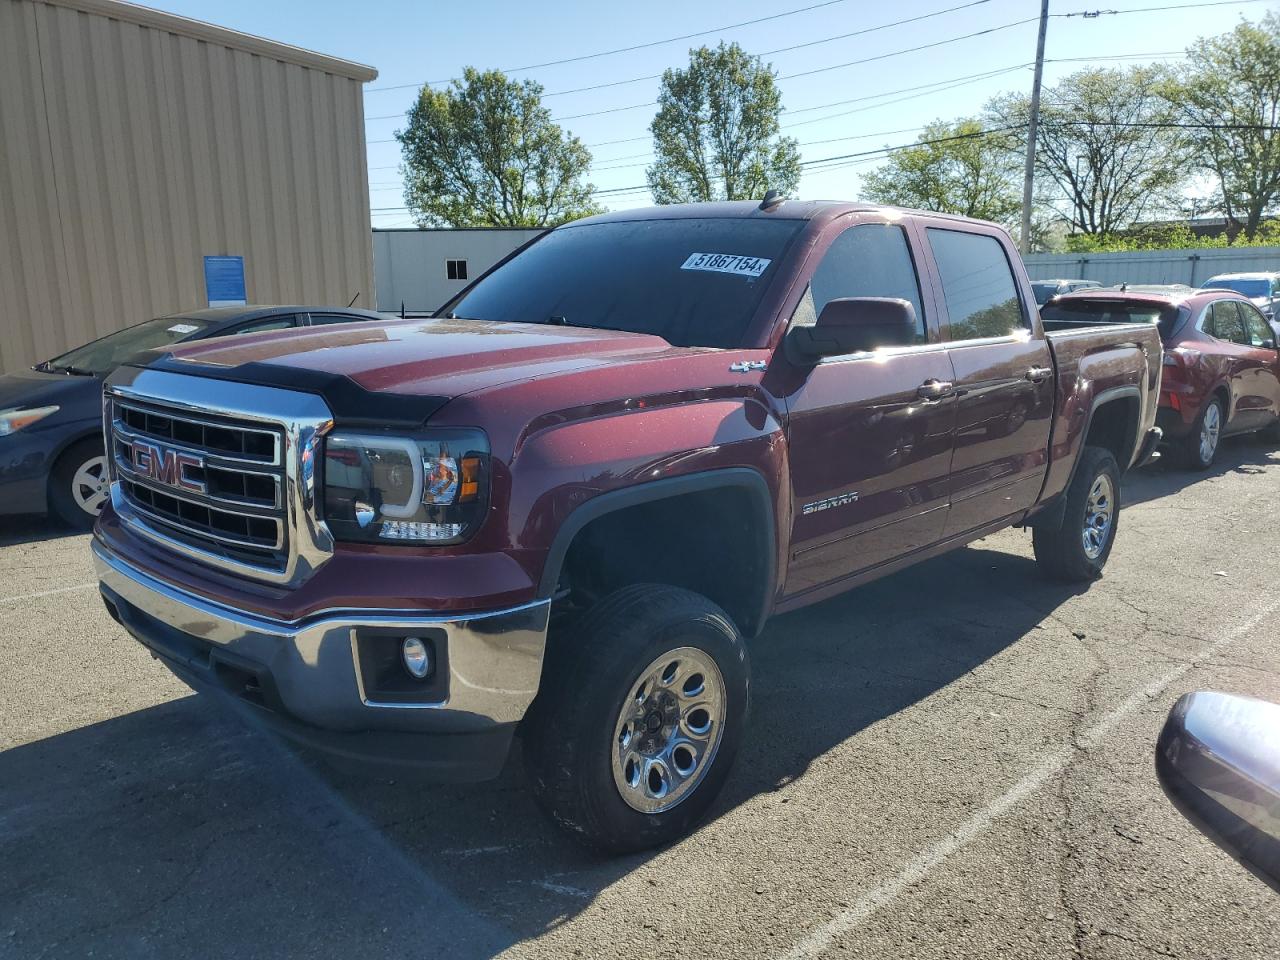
{"points": [[1247, 454], [175, 825]]}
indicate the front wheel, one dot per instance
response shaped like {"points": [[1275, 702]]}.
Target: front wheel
{"points": [[1076, 549], [78, 484], [639, 718]]}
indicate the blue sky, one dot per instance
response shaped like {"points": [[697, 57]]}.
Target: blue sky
{"points": [[889, 98]]}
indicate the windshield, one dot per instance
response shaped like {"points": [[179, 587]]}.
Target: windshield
{"points": [[1044, 292], [1069, 313], [1250, 288], [102, 356], [695, 283]]}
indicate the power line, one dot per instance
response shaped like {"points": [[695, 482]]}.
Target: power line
{"points": [[1091, 14], [797, 46], [638, 46], [898, 53]]}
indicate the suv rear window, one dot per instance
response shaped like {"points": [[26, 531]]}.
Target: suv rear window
{"points": [[694, 282], [1068, 313]]}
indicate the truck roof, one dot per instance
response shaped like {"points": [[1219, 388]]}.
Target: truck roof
{"points": [[785, 210]]}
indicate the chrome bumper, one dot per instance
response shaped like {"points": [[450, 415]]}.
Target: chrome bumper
{"points": [[491, 662]]}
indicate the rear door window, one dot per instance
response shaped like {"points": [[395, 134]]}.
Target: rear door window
{"points": [[1224, 316], [977, 285], [867, 260]]}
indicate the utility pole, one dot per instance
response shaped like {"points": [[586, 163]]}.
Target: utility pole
{"points": [[1028, 175]]}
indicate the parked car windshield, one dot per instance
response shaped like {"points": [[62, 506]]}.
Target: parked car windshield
{"points": [[1044, 292], [1067, 313], [102, 356], [1250, 288], [693, 282]]}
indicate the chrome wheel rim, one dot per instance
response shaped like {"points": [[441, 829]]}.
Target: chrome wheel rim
{"points": [[89, 485], [668, 730], [1099, 513], [1210, 430]]}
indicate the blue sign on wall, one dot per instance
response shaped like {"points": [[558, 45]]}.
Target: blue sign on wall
{"points": [[224, 281]]}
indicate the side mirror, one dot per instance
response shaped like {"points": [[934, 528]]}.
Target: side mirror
{"points": [[853, 325], [1218, 760]]}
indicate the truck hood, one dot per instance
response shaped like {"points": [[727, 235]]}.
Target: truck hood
{"points": [[441, 357]]}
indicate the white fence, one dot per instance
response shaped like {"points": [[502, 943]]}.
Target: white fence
{"points": [[1192, 267]]}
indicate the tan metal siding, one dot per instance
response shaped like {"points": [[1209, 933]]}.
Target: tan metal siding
{"points": [[133, 144]]}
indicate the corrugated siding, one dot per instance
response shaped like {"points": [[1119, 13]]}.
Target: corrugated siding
{"points": [[128, 153], [1192, 267]]}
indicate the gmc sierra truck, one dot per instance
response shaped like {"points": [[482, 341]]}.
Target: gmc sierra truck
{"points": [[560, 507]]}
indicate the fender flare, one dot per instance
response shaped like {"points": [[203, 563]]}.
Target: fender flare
{"points": [[745, 479], [1052, 515]]}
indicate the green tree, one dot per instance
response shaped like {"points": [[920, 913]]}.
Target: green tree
{"points": [[1104, 145], [484, 153], [716, 135], [1230, 89], [956, 168]]}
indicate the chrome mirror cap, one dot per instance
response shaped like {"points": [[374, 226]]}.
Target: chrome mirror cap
{"points": [[1218, 760]]}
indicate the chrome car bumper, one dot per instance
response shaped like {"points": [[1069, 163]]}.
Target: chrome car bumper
{"points": [[306, 678]]}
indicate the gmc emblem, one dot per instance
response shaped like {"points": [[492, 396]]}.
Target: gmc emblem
{"points": [[166, 466]]}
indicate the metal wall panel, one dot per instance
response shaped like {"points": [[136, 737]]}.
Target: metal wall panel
{"points": [[410, 264], [134, 143], [1192, 267]]}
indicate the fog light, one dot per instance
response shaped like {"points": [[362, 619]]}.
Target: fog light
{"points": [[417, 657]]}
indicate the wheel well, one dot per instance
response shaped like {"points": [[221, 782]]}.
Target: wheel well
{"points": [[1222, 391], [717, 542], [1114, 427]]}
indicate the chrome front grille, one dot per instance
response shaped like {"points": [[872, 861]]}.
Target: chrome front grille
{"points": [[213, 483], [220, 472]]}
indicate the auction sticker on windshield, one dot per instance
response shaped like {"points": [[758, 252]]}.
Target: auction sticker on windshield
{"points": [[726, 263]]}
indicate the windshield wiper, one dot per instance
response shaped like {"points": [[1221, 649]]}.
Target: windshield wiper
{"points": [[73, 371]]}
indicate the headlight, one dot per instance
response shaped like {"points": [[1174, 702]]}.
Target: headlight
{"points": [[382, 488], [11, 421]]}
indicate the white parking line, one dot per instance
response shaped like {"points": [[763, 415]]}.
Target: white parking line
{"points": [[47, 593], [920, 866]]}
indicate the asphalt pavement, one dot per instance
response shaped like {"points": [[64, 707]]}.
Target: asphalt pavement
{"points": [[955, 761]]}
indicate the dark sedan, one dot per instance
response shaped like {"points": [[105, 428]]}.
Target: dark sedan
{"points": [[1221, 369], [51, 456]]}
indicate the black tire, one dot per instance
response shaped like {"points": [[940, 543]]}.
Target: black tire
{"points": [[62, 481], [1060, 551], [569, 734], [1189, 449]]}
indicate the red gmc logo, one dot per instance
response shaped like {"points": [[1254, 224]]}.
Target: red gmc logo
{"points": [[166, 466]]}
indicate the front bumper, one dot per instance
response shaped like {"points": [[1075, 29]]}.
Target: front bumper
{"points": [[305, 678]]}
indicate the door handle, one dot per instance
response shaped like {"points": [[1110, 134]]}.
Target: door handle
{"points": [[1036, 374], [935, 389]]}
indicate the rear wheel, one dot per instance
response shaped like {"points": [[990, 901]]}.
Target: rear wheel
{"points": [[639, 717], [78, 485], [1200, 447], [1076, 550]]}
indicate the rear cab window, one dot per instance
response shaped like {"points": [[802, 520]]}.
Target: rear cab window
{"points": [[695, 282], [1069, 313], [978, 285]]}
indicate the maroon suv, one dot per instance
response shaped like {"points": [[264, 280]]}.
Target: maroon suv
{"points": [[1221, 373]]}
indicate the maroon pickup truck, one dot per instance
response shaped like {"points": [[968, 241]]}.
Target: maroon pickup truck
{"points": [[560, 507]]}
